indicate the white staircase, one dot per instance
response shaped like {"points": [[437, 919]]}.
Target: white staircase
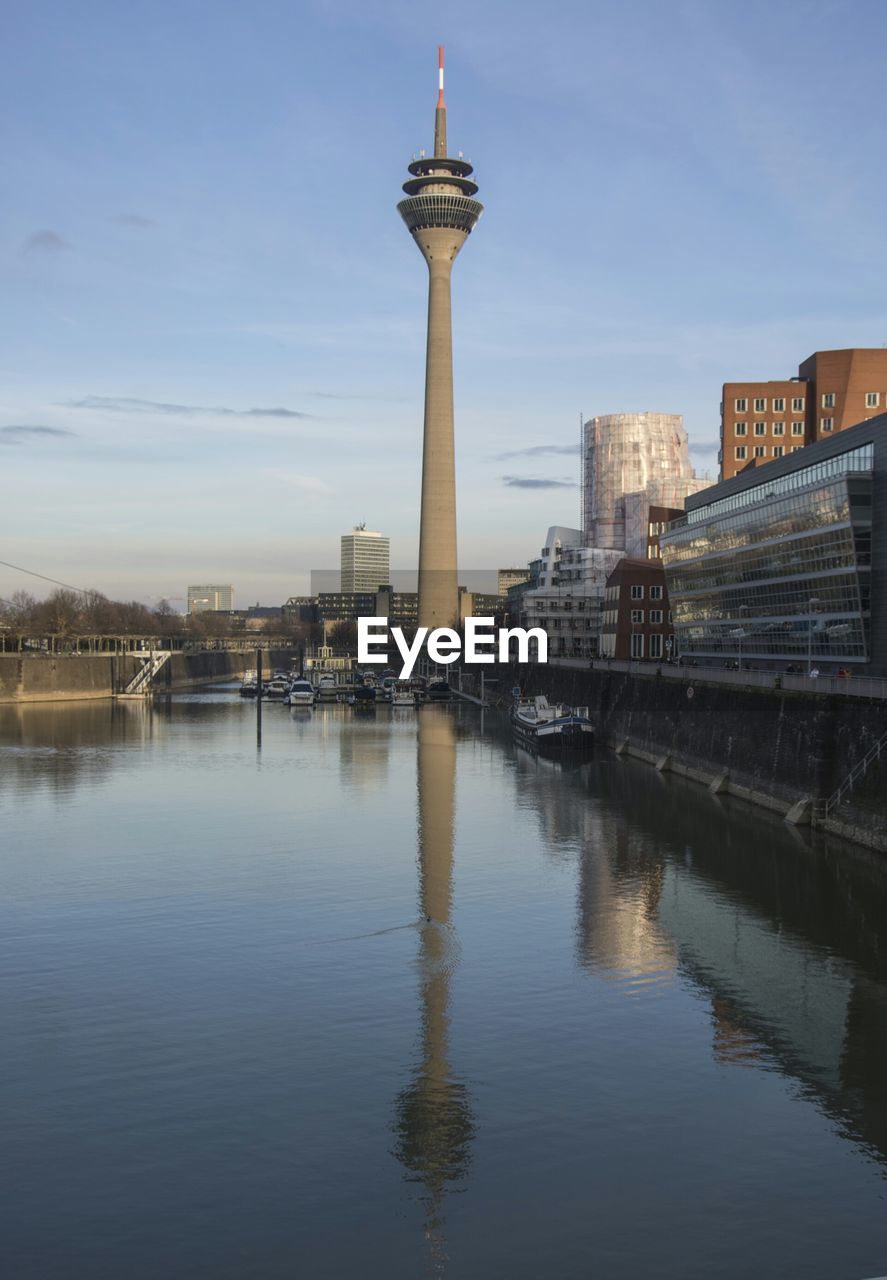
{"points": [[140, 685]]}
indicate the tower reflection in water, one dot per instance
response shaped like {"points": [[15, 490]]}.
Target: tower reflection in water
{"points": [[433, 1120]]}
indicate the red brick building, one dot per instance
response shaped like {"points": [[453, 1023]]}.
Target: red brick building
{"points": [[637, 620], [833, 390]]}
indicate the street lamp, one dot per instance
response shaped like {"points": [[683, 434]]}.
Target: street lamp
{"points": [[743, 610], [739, 634], [812, 603]]}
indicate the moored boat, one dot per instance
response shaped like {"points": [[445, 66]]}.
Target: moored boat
{"points": [[276, 689], [552, 728], [403, 694], [327, 688], [250, 684], [300, 693]]}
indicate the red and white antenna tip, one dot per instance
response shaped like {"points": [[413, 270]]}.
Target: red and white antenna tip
{"points": [[440, 71]]}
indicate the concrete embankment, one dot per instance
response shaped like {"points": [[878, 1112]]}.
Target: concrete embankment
{"points": [[62, 678], [783, 750]]}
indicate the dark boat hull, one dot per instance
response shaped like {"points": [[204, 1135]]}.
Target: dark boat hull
{"points": [[569, 740]]}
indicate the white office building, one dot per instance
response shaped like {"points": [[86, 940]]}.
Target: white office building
{"points": [[211, 597], [365, 560]]}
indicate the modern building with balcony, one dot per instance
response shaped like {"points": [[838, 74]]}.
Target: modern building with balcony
{"points": [[786, 564]]}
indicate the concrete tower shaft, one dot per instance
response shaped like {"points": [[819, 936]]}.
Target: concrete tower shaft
{"points": [[440, 214]]}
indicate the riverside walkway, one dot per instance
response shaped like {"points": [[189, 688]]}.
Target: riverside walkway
{"points": [[847, 686]]}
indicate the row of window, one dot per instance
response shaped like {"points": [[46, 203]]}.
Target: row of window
{"points": [[760, 428], [872, 401], [778, 428], [760, 451], [637, 646], [637, 615], [778, 404], [852, 460], [637, 592]]}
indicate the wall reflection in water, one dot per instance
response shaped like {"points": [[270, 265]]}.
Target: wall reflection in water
{"points": [[433, 1119], [60, 746], [783, 931]]}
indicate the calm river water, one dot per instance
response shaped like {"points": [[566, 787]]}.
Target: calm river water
{"points": [[387, 997]]}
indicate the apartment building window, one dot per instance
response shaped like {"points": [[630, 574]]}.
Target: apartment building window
{"points": [[760, 451], [655, 616], [778, 451], [655, 646], [741, 405], [796, 447], [637, 615], [740, 453], [826, 424], [779, 428], [760, 428], [637, 592], [637, 645], [655, 593], [872, 399], [828, 399], [779, 404], [760, 406], [798, 404], [741, 428], [797, 428], [653, 552]]}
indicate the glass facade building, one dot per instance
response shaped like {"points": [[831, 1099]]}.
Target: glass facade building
{"points": [[778, 566]]}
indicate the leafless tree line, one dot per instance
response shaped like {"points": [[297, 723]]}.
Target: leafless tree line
{"points": [[89, 613]]}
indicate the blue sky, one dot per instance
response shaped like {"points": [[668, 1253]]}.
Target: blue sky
{"points": [[199, 222]]}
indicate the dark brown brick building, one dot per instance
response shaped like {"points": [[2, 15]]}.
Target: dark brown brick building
{"points": [[833, 390], [637, 619]]}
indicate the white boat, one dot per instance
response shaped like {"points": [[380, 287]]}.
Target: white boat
{"points": [[249, 684], [327, 687], [276, 689], [300, 693], [402, 694], [551, 728]]}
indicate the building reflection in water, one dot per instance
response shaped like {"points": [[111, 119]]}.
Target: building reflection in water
{"points": [[363, 751], [433, 1120], [783, 934]]}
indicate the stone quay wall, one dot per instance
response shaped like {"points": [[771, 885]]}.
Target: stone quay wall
{"points": [[58, 678], [773, 747]]}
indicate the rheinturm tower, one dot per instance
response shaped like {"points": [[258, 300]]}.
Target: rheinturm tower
{"points": [[440, 212]]}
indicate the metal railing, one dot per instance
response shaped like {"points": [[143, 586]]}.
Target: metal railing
{"points": [[846, 686], [823, 808], [141, 682], [55, 645]]}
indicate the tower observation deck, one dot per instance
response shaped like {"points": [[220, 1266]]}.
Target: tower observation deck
{"points": [[440, 212]]}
